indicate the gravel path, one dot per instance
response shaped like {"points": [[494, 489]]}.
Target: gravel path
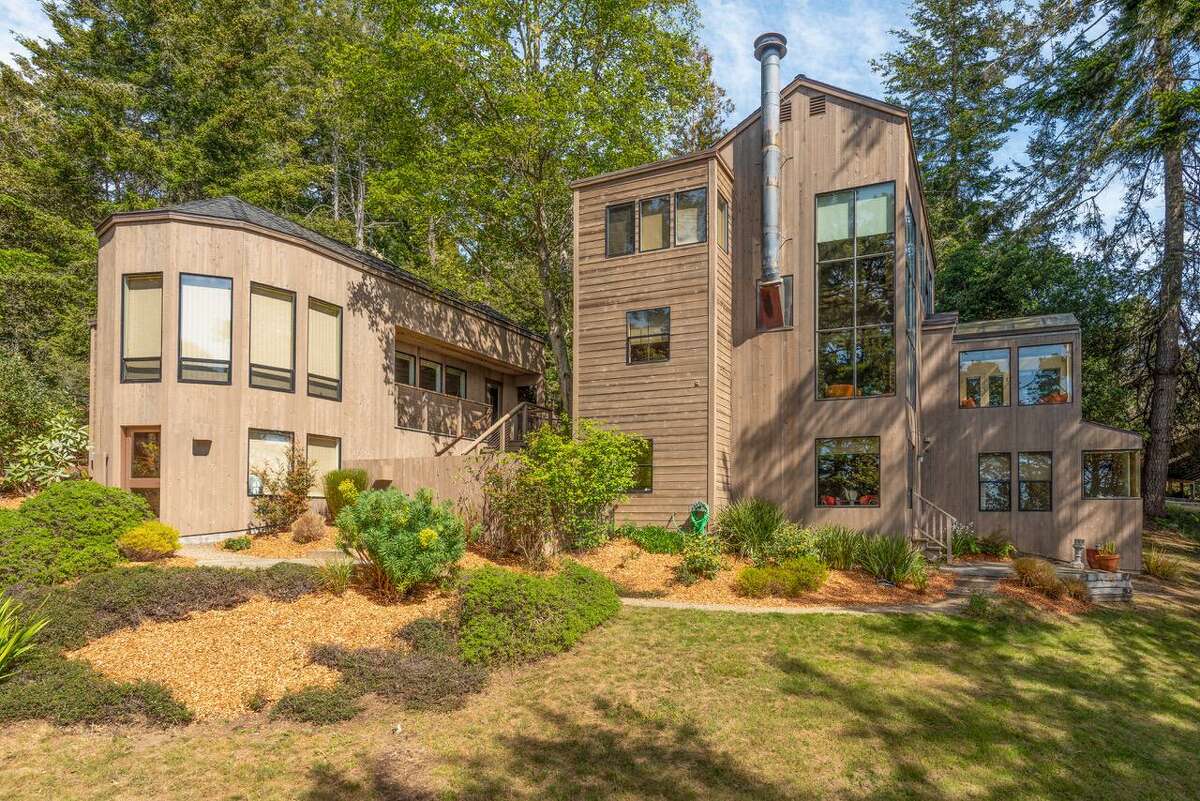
{"points": [[216, 556]]}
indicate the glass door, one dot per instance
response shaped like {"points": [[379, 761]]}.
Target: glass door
{"points": [[143, 464]]}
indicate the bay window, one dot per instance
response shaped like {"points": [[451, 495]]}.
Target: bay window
{"points": [[205, 329], [141, 328], [272, 338]]}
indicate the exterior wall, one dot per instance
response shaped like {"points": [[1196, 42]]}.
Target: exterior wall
{"points": [[957, 437], [665, 401], [721, 283], [208, 493]]}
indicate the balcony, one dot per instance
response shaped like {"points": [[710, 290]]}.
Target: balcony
{"points": [[422, 410]]}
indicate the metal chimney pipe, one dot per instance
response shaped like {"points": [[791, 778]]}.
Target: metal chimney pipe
{"points": [[769, 49]]}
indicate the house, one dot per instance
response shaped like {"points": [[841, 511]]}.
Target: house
{"points": [[225, 334], [763, 312]]}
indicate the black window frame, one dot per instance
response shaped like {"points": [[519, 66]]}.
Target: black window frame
{"points": [[123, 367], [262, 368], [879, 468], [644, 466], [1021, 482], [1008, 358], [1007, 483], [193, 362], [629, 337], [1136, 453], [1070, 374], [631, 205], [668, 238], [327, 383], [675, 217]]}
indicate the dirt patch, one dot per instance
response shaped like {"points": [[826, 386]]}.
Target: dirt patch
{"points": [[1062, 606], [638, 573], [11, 501], [215, 661], [282, 546]]}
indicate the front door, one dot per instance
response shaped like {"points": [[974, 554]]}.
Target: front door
{"points": [[142, 472], [493, 398]]}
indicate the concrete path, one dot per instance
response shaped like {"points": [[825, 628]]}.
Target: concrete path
{"points": [[216, 556], [948, 606]]}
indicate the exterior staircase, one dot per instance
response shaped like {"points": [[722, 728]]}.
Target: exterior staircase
{"points": [[933, 529], [508, 433]]}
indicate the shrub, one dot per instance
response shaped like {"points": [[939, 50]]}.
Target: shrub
{"points": [[282, 494], [747, 526], [149, 541], [309, 527], [317, 705], [237, 544], [979, 605], [964, 541], [789, 579], [337, 496], [69, 529], [840, 547], [995, 545], [404, 541], [419, 680], [701, 559], [1039, 575], [16, 635], [654, 539], [790, 541], [509, 617], [50, 455], [1161, 566], [1076, 588], [892, 558], [335, 577]]}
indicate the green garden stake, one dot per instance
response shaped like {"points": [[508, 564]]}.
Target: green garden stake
{"points": [[698, 519]]}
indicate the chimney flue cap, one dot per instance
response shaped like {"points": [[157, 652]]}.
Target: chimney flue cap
{"points": [[768, 41]]}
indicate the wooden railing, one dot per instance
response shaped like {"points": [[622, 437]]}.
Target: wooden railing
{"points": [[509, 432], [933, 527], [422, 410]]}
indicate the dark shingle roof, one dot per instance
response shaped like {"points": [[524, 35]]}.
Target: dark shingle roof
{"points": [[233, 208]]}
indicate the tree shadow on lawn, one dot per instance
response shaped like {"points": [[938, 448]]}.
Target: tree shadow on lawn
{"points": [[1099, 707], [331, 784]]}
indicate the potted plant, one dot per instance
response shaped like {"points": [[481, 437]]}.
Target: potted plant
{"points": [[1105, 557]]}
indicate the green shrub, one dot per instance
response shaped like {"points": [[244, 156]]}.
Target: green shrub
{"points": [[148, 541], [16, 635], [840, 547], [892, 558], [1076, 588], [1039, 575], [317, 705], [283, 488], [789, 579], [654, 539], [237, 544], [746, 527], [336, 577], [790, 541], [404, 542], [701, 559], [1156, 563], [995, 545], [509, 617], [429, 635], [53, 454], [964, 541], [337, 497], [418, 680], [309, 527], [979, 605], [69, 529]]}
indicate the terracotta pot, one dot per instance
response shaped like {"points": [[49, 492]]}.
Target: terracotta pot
{"points": [[1108, 561], [1090, 555]]}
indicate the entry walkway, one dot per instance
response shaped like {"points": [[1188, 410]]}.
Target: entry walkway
{"points": [[216, 556]]}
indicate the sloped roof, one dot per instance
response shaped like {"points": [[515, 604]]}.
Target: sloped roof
{"points": [[1017, 325], [234, 208]]}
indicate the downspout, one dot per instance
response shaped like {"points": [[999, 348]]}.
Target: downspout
{"points": [[769, 48]]}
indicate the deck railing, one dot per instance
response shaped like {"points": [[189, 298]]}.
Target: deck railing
{"points": [[422, 410], [510, 431], [933, 527]]}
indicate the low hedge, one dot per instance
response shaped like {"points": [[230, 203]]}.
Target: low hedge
{"points": [[148, 541], [510, 617], [789, 579]]}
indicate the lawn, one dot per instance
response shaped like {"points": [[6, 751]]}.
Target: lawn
{"points": [[665, 704]]}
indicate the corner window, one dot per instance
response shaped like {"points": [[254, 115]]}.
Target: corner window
{"points": [[1035, 479], [1044, 374], [267, 450], [324, 350], [141, 328], [655, 223], [643, 471], [995, 482], [983, 378], [648, 335], [691, 216], [848, 471], [1112, 474], [618, 230], [456, 382], [724, 223], [856, 242], [272, 338], [406, 368], [205, 329], [429, 375], [325, 453], [772, 315]]}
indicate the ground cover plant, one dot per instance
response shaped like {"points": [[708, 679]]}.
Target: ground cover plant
{"points": [[237, 544], [701, 559], [654, 539], [1181, 520], [791, 578]]}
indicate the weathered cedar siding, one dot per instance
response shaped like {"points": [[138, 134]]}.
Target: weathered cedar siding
{"points": [[722, 364]]}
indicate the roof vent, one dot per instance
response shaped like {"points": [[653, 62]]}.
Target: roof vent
{"points": [[785, 111], [816, 105]]}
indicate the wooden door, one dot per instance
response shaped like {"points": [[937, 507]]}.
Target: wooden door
{"points": [[142, 469]]}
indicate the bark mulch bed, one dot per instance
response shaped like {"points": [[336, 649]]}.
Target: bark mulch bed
{"points": [[282, 546], [1062, 606], [214, 662], [637, 573]]}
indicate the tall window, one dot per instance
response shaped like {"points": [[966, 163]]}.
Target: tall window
{"points": [[429, 376], [983, 378], [856, 243], [456, 382], [1035, 477], [618, 230], [325, 453], [724, 223], [1112, 474], [272, 338], [643, 471], [691, 216], [205, 328], [648, 335], [655, 223], [848, 471], [406, 368], [324, 350], [1044, 374], [995, 482], [268, 450], [141, 328]]}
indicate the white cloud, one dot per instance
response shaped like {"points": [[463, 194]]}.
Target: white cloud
{"points": [[20, 17]]}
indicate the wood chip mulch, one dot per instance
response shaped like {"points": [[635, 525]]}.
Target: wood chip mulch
{"points": [[282, 546], [1062, 606], [214, 662]]}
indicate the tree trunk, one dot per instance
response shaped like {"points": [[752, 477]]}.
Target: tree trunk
{"points": [[337, 182], [360, 203], [557, 330], [1164, 368]]}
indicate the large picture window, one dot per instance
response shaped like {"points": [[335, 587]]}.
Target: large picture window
{"points": [[324, 350], [272, 338], [856, 298], [1112, 474], [141, 328], [655, 223], [618, 230], [648, 335], [1044, 374], [983, 378], [267, 450], [1035, 478], [691, 216], [848, 471], [205, 329], [995, 482], [643, 471], [325, 453]]}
